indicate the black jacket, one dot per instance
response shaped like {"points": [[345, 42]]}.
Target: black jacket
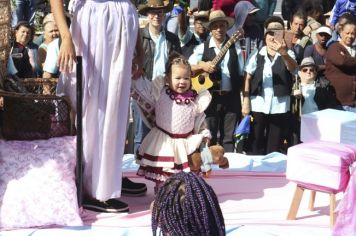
{"points": [[325, 97]]}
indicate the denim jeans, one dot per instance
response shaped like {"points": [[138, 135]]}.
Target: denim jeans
{"points": [[25, 10]]}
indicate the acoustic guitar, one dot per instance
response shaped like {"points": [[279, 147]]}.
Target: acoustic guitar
{"points": [[203, 80]]}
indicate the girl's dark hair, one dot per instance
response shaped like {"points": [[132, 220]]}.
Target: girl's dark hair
{"points": [[175, 58], [186, 205]]}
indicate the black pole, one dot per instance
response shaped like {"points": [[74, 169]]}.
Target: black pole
{"points": [[79, 166]]}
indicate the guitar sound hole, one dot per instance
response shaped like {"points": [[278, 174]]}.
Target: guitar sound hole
{"points": [[201, 79]]}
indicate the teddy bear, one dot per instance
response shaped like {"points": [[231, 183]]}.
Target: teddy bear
{"points": [[197, 165]]}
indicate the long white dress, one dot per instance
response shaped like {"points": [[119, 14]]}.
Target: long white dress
{"points": [[104, 33], [177, 129]]}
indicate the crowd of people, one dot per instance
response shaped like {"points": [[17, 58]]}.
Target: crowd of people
{"points": [[275, 69]]}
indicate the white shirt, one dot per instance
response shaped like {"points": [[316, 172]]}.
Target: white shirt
{"points": [[50, 64], [351, 50], [197, 55], [267, 103], [160, 55], [308, 91]]}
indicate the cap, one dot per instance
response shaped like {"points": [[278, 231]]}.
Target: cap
{"points": [[308, 61], [253, 10], [324, 29]]}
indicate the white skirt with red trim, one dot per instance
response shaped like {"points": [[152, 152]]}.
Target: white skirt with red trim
{"points": [[160, 155]]}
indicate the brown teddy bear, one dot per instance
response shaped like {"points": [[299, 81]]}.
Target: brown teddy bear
{"points": [[217, 153]]}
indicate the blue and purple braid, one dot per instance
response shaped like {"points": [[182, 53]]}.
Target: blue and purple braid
{"points": [[186, 205]]}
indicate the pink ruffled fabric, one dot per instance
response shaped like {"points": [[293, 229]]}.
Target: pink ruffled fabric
{"points": [[346, 219]]}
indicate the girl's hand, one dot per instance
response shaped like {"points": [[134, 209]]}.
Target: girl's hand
{"points": [[206, 140], [67, 55], [137, 68]]}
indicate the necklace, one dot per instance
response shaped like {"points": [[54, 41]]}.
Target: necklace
{"points": [[182, 98]]}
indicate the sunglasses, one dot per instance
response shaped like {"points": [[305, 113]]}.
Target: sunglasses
{"points": [[308, 69]]}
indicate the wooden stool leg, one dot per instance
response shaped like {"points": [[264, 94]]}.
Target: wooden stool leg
{"points": [[295, 203], [332, 209], [312, 200]]}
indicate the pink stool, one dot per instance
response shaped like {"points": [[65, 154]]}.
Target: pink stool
{"points": [[319, 166]]}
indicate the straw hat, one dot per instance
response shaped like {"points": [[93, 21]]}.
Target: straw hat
{"points": [[166, 6], [219, 15]]}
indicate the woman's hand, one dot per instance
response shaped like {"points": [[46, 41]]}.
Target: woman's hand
{"points": [[297, 93], [246, 106], [280, 47], [67, 55]]}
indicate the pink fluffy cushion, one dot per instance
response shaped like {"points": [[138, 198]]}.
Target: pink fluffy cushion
{"points": [[37, 183]]}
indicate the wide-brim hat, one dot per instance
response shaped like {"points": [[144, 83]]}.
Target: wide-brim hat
{"points": [[166, 6], [219, 15], [307, 61]]}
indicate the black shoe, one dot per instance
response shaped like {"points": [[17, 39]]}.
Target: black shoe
{"points": [[132, 189], [111, 205]]}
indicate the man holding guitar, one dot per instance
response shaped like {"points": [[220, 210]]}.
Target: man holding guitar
{"points": [[221, 59]]}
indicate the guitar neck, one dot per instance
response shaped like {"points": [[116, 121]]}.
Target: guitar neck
{"points": [[223, 51]]}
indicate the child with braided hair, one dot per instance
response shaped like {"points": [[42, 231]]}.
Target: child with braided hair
{"points": [[175, 114], [187, 205]]}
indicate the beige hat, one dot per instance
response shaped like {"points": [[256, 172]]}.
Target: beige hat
{"points": [[274, 26], [166, 6], [308, 61], [219, 15], [201, 15]]}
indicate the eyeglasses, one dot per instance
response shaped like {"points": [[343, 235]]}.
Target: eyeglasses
{"points": [[305, 70]]}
